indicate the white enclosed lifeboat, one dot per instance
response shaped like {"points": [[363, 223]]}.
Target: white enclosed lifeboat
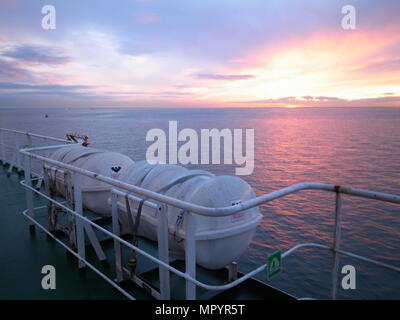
{"points": [[219, 240], [95, 194]]}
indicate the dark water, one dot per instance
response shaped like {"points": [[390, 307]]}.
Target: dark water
{"points": [[357, 147]]}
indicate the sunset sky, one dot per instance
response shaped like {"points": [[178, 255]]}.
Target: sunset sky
{"points": [[208, 53]]}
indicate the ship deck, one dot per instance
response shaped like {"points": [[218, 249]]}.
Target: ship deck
{"points": [[25, 251]]}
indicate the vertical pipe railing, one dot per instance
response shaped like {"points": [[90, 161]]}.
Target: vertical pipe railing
{"points": [[29, 192], [2, 150], [13, 161], [190, 255], [232, 271], [162, 239], [80, 236], [50, 210], [29, 140], [117, 244], [336, 243], [18, 155]]}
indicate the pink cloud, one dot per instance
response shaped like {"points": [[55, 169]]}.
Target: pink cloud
{"points": [[226, 76], [31, 55], [320, 101], [9, 70], [147, 17], [355, 48]]}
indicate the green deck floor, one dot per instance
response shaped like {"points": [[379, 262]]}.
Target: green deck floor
{"points": [[24, 253]]}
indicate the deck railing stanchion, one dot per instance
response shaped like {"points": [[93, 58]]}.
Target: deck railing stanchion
{"points": [[18, 155], [117, 245], [29, 193], [336, 243], [80, 235], [2, 150], [162, 239], [13, 161], [190, 255], [29, 140], [52, 216]]}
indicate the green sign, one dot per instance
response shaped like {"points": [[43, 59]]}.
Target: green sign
{"points": [[274, 264]]}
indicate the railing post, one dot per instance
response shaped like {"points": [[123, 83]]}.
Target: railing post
{"points": [[117, 245], [52, 216], [80, 236], [18, 155], [232, 271], [162, 239], [29, 192], [336, 242], [2, 151], [29, 140], [190, 255]]}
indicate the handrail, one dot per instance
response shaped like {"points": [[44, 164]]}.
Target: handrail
{"points": [[15, 161], [190, 209], [221, 211], [36, 135], [186, 276], [97, 271]]}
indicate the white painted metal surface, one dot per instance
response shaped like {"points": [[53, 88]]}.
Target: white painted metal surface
{"points": [[219, 240], [95, 193]]}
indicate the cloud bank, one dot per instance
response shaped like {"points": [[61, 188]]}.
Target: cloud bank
{"points": [[200, 53]]}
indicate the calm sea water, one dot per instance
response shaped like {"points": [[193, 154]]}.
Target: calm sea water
{"points": [[357, 147]]}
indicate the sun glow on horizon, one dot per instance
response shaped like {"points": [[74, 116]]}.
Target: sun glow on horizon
{"points": [[320, 70], [168, 65]]}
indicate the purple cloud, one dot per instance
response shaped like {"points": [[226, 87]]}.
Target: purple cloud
{"points": [[322, 100], [35, 54], [226, 76], [19, 86], [173, 93], [9, 71], [383, 66], [12, 89]]}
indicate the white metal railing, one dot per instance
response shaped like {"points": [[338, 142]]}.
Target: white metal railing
{"points": [[11, 141], [159, 203]]}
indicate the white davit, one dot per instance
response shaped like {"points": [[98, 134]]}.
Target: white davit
{"points": [[95, 194], [219, 240]]}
